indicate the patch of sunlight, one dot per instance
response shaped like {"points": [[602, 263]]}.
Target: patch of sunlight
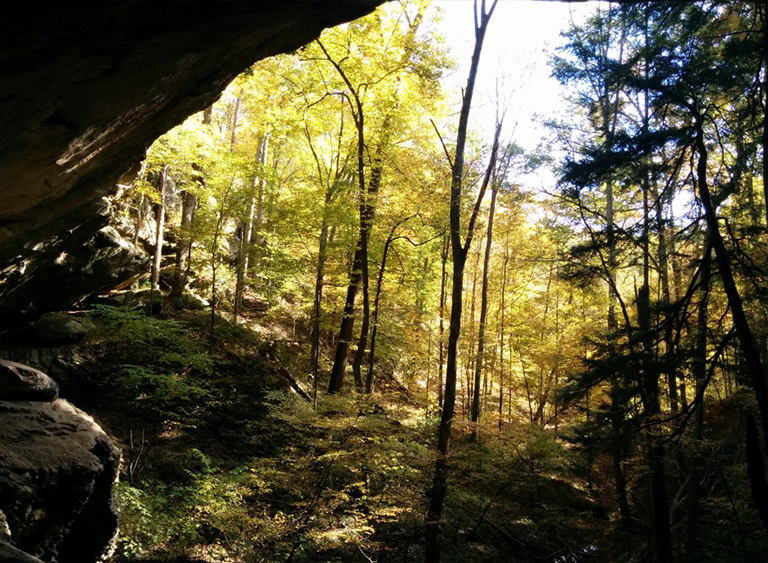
{"points": [[391, 513], [215, 553], [410, 416], [171, 432], [350, 531]]}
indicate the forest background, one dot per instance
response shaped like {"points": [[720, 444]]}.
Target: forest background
{"points": [[610, 400]]}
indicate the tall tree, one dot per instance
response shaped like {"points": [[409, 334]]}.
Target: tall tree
{"points": [[443, 261], [370, 160], [459, 251], [497, 179], [184, 245], [159, 233], [331, 177], [256, 196]]}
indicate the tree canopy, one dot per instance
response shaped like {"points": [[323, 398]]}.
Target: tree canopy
{"points": [[592, 349]]}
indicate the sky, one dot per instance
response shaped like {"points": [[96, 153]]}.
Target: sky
{"points": [[521, 38]]}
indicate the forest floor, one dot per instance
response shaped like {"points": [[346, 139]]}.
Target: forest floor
{"points": [[224, 461]]}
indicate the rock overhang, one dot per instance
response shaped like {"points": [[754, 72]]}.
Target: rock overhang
{"points": [[86, 87]]}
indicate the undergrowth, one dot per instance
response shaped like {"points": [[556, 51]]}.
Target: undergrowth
{"points": [[223, 463]]}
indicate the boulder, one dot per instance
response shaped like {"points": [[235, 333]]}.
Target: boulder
{"points": [[57, 471], [192, 302], [9, 554], [19, 382], [61, 327], [93, 257]]}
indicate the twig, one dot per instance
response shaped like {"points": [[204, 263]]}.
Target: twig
{"points": [[447, 154]]}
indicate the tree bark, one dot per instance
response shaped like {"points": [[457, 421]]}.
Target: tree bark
{"points": [[375, 318], [336, 170], [367, 208], [471, 359], [752, 363], [661, 531], [235, 117], [357, 276], [764, 139], [362, 342], [347, 322], [502, 326], [318, 300]]}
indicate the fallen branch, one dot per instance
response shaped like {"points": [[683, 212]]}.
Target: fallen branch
{"points": [[294, 385]]}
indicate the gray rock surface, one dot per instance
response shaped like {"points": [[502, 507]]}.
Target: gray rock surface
{"points": [[86, 89], [9, 554], [56, 326], [64, 271], [19, 382], [57, 470]]}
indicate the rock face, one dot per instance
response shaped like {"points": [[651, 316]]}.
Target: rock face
{"points": [[57, 469], [85, 90], [62, 328], [19, 382], [92, 257], [9, 554]]}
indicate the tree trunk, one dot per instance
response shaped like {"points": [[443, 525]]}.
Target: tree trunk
{"points": [[444, 260], [659, 503], [665, 293], [459, 253], [618, 447], [159, 230], [375, 320], [765, 107], [348, 319], [245, 239], [662, 532], [471, 359], [699, 370], [347, 324], [318, 301], [528, 394], [188, 206], [367, 207], [362, 342], [235, 117], [331, 186], [370, 207], [502, 326], [355, 279], [484, 301], [749, 348]]}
